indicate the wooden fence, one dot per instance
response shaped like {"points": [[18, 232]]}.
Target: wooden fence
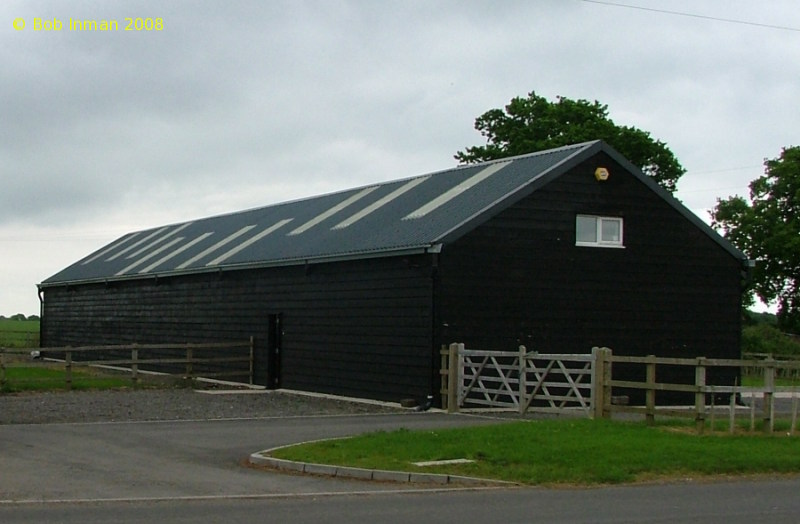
{"points": [[704, 392], [556, 383], [519, 380], [189, 361]]}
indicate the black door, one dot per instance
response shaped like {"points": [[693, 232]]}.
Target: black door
{"points": [[274, 353], [266, 355]]}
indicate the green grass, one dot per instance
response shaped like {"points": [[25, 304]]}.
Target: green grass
{"points": [[19, 333], [44, 378], [758, 381], [580, 452]]}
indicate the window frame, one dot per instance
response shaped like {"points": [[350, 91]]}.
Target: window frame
{"points": [[599, 242]]}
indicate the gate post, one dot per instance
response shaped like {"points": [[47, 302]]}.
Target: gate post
{"points": [[452, 378], [598, 374], [601, 383]]}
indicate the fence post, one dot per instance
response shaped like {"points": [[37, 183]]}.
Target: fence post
{"points": [[650, 393], [732, 412], [598, 369], [444, 373], [189, 369], [134, 364], [700, 395], [68, 368], [606, 380], [522, 377], [2, 372], [769, 394], [452, 379], [252, 355]]}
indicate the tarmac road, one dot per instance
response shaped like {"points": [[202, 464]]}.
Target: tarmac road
{"points": [[192, 471]]}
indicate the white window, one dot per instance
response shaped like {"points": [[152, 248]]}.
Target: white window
{"points": [[591, 230]]}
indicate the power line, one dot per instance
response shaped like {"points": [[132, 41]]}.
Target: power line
{"points": [[722, 170], [692, 15], [709, 190]]}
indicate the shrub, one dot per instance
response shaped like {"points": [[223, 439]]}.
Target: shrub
{"points": [[766, 338]]}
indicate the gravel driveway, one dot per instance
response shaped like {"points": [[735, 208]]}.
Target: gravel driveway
{"points": [[168, 404]]}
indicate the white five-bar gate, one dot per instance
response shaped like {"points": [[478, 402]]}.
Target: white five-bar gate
{"points": [[522, 380]]}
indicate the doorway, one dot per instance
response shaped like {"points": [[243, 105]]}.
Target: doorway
{"points": [[274, 352], [267, 355]]}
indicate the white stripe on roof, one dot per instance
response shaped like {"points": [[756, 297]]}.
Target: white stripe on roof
{"points": [[249, 242], [110, 248], [452, 193], [332, 211], [175, 253], [381, 202], [158, 240], [228, 239], [137, 244], [150, 255]]}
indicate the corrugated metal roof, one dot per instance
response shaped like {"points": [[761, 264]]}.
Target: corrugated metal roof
{"points": [[412, 215]]}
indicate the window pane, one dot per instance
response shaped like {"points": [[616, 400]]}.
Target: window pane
{"points": [[611, 230], [586, 229]]}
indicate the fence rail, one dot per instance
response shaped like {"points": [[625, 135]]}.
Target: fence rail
{"points": [[702, 390], [529, 381], [187, 361]]}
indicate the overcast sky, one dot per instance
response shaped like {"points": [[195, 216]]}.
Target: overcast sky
{"points": [[234, 105]]}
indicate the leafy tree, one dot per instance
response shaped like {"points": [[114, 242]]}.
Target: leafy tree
{"points": [[767, 229], [534, 124]]}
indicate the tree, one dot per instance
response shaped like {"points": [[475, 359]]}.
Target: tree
{"points": [[534, 124], [767, 230]]}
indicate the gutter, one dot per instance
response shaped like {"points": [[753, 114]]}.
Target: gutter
{"points": [[298, 261]]}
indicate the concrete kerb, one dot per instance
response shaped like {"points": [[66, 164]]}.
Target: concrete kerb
{"points": [[263, 458]]}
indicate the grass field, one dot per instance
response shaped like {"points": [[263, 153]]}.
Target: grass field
{"points": [[44, 377], [19, 333], [580, 452]]}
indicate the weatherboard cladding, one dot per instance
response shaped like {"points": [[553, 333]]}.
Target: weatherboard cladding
{"points": [[410, 215], [405, 215]]}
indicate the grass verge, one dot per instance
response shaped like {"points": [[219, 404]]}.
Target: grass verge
{"points": [[553, 452]]}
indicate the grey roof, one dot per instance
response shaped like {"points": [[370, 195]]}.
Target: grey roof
{"points": [[405, 216]]}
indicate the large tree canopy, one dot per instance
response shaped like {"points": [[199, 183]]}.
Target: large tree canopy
{"points": [[768, 231], [535, 124]]}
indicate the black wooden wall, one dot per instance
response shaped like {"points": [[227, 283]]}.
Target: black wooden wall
{"points": [[520, 279], [359, 328]]}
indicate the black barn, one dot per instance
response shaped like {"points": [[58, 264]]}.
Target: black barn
{"points": [[560, 250]]}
